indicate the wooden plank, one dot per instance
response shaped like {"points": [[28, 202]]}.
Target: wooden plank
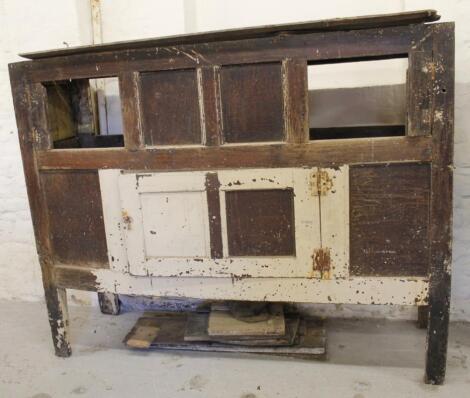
{"points": [[142, 335], [70, 277], [326, 153], [389, 220], [260, 222], [252, 104], [129, 83], [441, 204], [295, 90], [209, 101], [372, 290], [76, 217], [197, 324], [225, 324], [170, 108], [215, 223], [311, 341], [316, 47], [40, 118], [419, 92], [360, 22]]}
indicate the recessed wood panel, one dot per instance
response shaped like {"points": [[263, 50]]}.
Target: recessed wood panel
{"points": [[252, 105], [174, 224], [75, 217], [170, 108], [260, 222], [389, 220]]}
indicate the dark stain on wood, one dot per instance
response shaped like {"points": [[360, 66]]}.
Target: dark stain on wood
{"points": [[389, 220], [211, 106], [441, 203], [215, 225], [76, 217], [170, 102], [129, 83], [68, 277], [296, 100], [252, 103], [260, 222], [419, 86], [327, 153]]}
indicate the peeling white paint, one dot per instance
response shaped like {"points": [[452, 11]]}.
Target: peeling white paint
{"points": [[139, 194], [403, 291]]}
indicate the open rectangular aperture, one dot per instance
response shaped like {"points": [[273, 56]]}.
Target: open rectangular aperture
{"points": [[357, 99], [84, 113], [260, 222]]}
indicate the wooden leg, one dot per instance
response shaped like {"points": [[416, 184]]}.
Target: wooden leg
{"points": [[109, 303], [438, 330], [423, 313], [441, 204], [56, 301]]}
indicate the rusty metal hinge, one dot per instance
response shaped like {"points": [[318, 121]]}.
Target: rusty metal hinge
{"points": [[320, 183], [321, 259]]}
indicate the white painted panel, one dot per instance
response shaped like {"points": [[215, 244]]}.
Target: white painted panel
{"points": [[170, 182], [175, 224], [165, 221], [172, 238]]}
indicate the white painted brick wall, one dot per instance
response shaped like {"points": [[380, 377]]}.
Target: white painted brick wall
{"points": [[27, 25]]}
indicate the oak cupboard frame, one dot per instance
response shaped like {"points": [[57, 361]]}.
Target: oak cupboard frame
{"points": [[67, 187]]}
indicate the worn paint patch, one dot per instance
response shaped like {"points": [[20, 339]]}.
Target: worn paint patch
{"points": [[358, 290]]}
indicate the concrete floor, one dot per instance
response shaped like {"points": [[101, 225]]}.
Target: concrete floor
{"points": [[366, 359]]}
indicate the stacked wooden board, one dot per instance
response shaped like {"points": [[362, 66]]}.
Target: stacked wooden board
{"points": [[270, 332]]}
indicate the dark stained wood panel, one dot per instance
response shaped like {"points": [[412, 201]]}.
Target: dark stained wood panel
{"points": [[351, 23], [260, 222], [389, 220], [252, 103], [170, 107], [75, 214], [215, 223]]}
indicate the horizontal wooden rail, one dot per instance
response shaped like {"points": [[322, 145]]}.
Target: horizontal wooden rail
{"points": [[326, 153], [315, 47]]}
